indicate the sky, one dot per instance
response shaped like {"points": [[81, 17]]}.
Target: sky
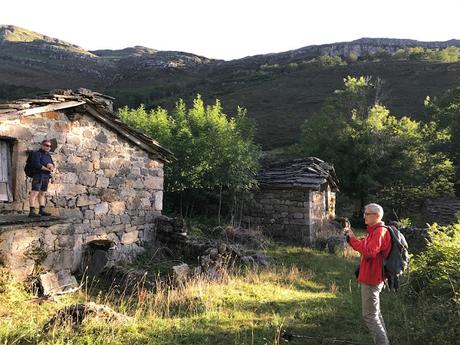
{"points": [[234, 28]]}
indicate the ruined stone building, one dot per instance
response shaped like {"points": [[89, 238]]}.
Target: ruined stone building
{"points": [[294, 201], [108, 186]]}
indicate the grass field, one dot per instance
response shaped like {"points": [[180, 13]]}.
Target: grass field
{"points": [[304, 291]]}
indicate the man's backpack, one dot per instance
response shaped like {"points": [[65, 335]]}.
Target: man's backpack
{"points": [[30, 168], [397, 261]]}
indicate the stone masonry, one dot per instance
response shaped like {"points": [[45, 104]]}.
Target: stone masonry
{"points": [[106, 186], [294, 202]]}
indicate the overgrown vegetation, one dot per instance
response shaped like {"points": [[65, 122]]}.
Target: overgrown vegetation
{"points": [[378, 156], [435, 287], [449, 54], [304, 291]]}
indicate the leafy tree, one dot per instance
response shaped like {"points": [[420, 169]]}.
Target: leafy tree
{"points": [[416, 53], [450, 54], [329, 61], [445, 111], [214, 152], [447, 55], [352, 57], [375, 154]]}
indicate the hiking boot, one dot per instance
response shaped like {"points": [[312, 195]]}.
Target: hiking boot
{"points": [[34, 215], [43, 213]]}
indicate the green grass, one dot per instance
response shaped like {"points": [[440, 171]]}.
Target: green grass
{"points": [[304, 291]]}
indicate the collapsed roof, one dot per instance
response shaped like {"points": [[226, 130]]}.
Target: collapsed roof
{"points": [[95, 104]]}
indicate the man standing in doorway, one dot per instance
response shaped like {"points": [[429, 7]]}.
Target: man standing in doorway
{"points": [[372, 248], [43, 166]]}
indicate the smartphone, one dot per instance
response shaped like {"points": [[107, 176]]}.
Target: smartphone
{"points": [[345, 223]]}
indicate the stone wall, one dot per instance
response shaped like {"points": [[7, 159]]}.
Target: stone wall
{"points": [[322, 209], [290, 215], [417, 238], [281, 214], [104, 185], [36, 247]]}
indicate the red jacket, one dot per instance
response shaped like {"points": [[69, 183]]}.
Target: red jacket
{"points": [[377, 240]]}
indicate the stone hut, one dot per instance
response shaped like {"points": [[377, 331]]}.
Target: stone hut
{"points": [[294, 201], [108, 186]]}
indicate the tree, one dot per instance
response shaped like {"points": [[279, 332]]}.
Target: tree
{"points": [[450, 54], [445, 111], [375, 154], [352, 57], [214, 152]]}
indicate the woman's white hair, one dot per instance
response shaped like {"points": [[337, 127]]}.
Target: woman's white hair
{"points": [[375, 208]]}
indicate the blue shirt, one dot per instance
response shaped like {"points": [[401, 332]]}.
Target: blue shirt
{"points": [[42, 158]]}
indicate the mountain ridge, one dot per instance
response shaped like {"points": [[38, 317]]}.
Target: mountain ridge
{"points": [[280, 90], [12, 33]]}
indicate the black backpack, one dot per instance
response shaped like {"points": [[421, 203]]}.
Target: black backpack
{"points": [[397, 261], [29, 168]]}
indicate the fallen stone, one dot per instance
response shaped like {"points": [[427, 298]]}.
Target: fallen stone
{"points": [[58, 283], [76, 313], [181, 272]]}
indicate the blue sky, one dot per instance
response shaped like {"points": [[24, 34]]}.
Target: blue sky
{"points": [[232, 29]]}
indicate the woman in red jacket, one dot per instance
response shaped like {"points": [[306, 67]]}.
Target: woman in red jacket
{"points": [[377, 241]]}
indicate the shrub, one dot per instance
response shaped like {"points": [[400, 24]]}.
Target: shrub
{"points": [[435, 286]]}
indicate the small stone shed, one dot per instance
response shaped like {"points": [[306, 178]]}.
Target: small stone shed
{"points": [[108, 187], [294, 201]]}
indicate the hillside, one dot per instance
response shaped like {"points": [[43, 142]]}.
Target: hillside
{"points": [[280, 90]]}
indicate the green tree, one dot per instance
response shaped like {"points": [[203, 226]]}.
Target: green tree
{"points": [[445, 111], [375, 154], [214, 152], [352, 57], [450, 54], [329, 61]]}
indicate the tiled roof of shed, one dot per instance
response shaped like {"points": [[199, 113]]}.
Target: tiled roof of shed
{"points": [[309, 173]]}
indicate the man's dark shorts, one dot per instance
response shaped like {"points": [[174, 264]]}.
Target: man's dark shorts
{"points": [[40, 183]]}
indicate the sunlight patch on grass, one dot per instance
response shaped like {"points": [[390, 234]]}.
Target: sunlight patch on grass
{"points": [[303, 289]]}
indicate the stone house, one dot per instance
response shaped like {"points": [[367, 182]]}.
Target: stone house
{"points": [[108, 186], [294, 201]]}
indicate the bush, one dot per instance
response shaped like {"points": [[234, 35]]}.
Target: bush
{"points": [[436, 270], [435, 287]]}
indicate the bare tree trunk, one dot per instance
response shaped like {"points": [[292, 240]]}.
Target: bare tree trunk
{"points": [[241, 211], [234, 211], [220, 205]]}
